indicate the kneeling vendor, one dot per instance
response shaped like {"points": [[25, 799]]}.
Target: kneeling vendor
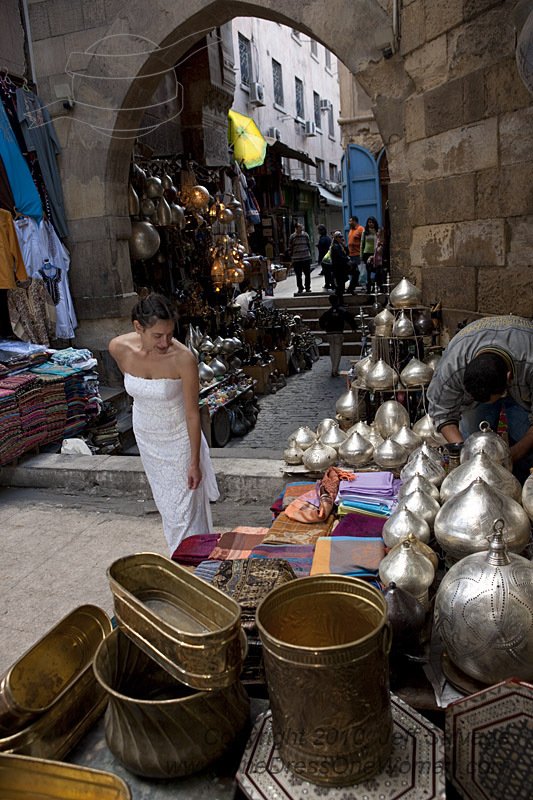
{"points": [[487, 366]]}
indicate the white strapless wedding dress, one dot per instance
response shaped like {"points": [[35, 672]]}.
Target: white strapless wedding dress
{"points": [[161, 432]]}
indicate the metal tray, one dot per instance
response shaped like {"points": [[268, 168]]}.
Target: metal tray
{"points": [[21, 777], [50, 667], [187, 626]]}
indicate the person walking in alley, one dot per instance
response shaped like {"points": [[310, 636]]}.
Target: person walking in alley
{"points": [[333, 322], [339, 263], [368, 246], [300, 253], [323, 245], [354, 252]]}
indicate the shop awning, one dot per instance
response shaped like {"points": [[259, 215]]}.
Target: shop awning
{"points": [[288, 152], [329, 198]]}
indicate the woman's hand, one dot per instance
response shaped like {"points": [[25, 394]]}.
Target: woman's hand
{"points": [[194, 477]]}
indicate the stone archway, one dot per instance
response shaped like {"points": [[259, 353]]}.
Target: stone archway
{"points": [[451, 109]]}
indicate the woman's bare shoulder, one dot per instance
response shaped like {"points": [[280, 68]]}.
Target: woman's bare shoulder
{"points": [[121, 344]]}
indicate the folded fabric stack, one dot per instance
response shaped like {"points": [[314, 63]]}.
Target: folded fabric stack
{"points": [[238, 543], [74, 357], [11, 441], [299, 556], [373, 493], [194, 549], [288, 494], [33, 422], [75, 394], [55, 405], [287, 531], [348, 555], [16, 356]]}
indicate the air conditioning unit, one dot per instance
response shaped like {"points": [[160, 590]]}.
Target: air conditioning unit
{"points": [[325, 105], [310, 128], [274, 133], [257, 94]]}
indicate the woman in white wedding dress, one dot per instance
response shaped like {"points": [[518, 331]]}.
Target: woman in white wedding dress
{"points": [[161, 375]]}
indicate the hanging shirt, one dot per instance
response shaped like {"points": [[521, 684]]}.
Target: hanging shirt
{"points": [[54, 272], [12, 267], [31, 246], [40, 135], [25, 194]]}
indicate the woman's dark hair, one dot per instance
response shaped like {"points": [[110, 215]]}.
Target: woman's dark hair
{"points": [[486, 375], [322, 229], [374, 220], [150, 310]]}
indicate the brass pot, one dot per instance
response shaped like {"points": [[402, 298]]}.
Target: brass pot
{"points": [[492, 445], [326, 637], [163, 213], [156, 726], [405, 295], [390, 417], [465, 520], [381, 377], [400, 524], [153, 187], [134, 207], [318, 457], [480, 466], [390, 455], [484, 613], [144, 241]]}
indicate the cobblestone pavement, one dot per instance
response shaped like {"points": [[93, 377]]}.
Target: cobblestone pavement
{"points": [[306, 399]]}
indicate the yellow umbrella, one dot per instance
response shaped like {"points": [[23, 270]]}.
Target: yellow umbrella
{"points": [[249, 145]]}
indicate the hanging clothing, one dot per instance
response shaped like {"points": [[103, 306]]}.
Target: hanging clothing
{"points": [[31, 247], [25, 194], [40, 136], [12, 267], [32, 313], [54, 269], [6, 195]]}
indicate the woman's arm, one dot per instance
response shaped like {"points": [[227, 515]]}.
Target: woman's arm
{"points": [[191, 388], [116, 351]]}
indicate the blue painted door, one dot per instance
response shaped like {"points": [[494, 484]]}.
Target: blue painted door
{"points": [[361, 196]]}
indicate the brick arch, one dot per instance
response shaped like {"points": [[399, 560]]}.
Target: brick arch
{"points": [[95, 165]]}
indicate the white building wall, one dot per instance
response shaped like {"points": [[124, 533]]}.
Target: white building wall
{"points": [[270, 40]]}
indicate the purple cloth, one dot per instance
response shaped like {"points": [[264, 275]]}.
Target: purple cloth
{"points": [[378, 484], [359, 525]]}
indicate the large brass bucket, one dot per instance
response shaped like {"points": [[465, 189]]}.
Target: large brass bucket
{"points": [[326, 642]]}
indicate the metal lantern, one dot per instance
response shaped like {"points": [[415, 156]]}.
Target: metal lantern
{"points": [[419, 482], [225, 216], [390, 455], [405, 295], [410, 570], [480, 466], [390, 417], [422, 465], [177, 215], [407, 438], [333, 437], [324, 424], [492, 445], [527, 497], [133, 202], [416, 373], [347, 406], [465, 520], [304, 437], [381, 376], [355, 450], [421, 504], [206, 373], [144, 241], [400, 524], [403, 327], [293, 454], [163, 212], [484, 613], [318, 457], [198, 197], [153, 187]]}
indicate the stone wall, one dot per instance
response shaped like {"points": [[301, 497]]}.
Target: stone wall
{"points": [[450, 107]]}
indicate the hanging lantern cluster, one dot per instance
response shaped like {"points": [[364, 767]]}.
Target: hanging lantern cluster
{"points": [[227, 262]]}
